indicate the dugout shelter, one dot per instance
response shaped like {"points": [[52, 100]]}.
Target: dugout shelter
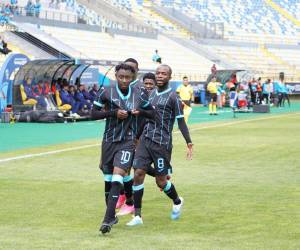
{"points": [[46, 73]]}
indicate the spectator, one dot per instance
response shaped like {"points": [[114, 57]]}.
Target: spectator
{"points": [[31, 95], [156, 57], [4, 16], [253, 89], [282, 90], [94, 91], [29, 8], [267, 89], [72, 91], [14, 6], [41, 89], [66, 98], [37, 8], [232, 86], [213, 69], [4, 50], [259, 91], [83, 102]]}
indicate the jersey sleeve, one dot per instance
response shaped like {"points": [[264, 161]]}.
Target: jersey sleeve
{"points": [[101, 98], [177, 104]]}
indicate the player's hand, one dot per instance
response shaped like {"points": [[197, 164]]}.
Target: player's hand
{"points": [[189, 152], [122, 114], [135, 112]]}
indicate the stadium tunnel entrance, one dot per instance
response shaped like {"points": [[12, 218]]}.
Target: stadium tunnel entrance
{"points": [[37, 86]]}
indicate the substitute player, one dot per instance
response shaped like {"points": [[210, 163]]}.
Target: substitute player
{"points": [[156, 144], [123, 104]]}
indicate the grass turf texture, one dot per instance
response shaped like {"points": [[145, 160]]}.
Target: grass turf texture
{"points": [[241, 191]]}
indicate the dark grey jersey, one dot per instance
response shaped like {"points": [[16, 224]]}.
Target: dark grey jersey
{"points": [[168, 107], [111, 98]]}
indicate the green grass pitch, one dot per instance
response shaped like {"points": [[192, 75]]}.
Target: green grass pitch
{"points": [[241, 191]]}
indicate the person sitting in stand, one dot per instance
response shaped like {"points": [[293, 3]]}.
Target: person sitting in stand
{"points": [[87, 95], [41, 89], [66, 98], [156, 57], [31, 95], [83, 103], [93, 92]]}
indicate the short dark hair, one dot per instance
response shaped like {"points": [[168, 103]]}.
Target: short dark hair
{"points": [[125, 67], [185, 77], [165, 65], [149, 75], [131, 60]]}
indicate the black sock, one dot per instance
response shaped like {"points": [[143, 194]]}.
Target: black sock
{"points": [[138, 192], [112, 201], [107, 187], [170, 191], [128, 182], [151, 171]]}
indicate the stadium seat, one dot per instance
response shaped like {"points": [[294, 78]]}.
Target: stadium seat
{"points": [[61, 107], [26, 101]]}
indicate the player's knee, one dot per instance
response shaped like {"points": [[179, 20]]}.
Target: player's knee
{"points": [[139, 175], [161, 182]]}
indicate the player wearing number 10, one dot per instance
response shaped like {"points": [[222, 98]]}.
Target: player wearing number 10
{"points": [[120, 105], [156, 144]]}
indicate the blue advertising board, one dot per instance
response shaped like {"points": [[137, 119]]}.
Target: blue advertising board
{"points": [[7, 74]]}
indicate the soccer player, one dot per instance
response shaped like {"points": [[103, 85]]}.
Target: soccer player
{"points": [[120, 105], [133, 63], [125, 199], [149, 81], [186, 93], [156, 144]]}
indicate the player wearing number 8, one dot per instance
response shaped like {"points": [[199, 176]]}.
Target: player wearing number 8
{"points": [[120, 105], [156, 144]]}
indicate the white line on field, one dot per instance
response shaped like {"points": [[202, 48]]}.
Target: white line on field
{"points": [[48, 153], [97, 144]]}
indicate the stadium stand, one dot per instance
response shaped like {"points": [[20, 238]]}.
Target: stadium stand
{"points": [[242, 19], [262, 36], [120, 47]]}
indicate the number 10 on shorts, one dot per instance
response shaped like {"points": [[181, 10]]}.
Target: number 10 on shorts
{"points": [[125, 157]]}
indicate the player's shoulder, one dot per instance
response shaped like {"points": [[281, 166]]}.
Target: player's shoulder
{"points": [[173, 96]]}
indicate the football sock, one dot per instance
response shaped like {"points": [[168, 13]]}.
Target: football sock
{"points": [[138, 192], [107, 187], [128, 182], [210, 108], [214, 106], [113, 197], [170, 191]]}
